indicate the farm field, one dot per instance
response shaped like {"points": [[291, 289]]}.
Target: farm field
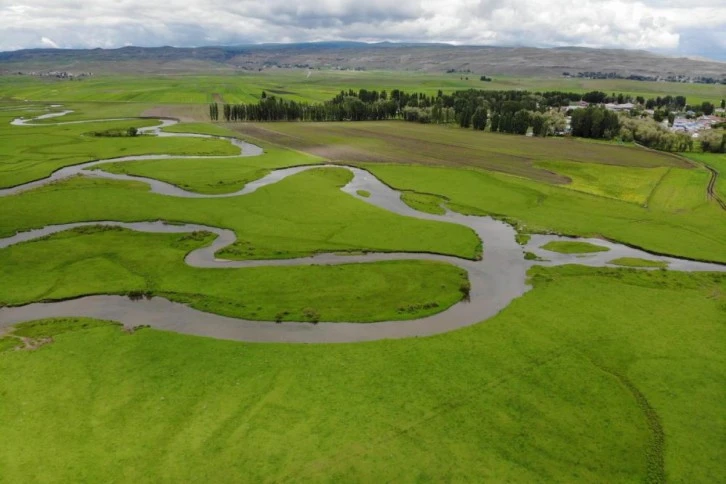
{"points": [[582, 374], [393, 141]]}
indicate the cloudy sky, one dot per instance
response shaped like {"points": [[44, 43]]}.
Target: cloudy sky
{"points": [[686, 27]]}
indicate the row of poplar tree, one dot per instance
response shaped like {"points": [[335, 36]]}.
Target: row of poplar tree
{"points": [[504, 111]]}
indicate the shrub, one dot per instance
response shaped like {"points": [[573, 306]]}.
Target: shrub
{"points": [[713, 142], [280, 316], [465, 290], [138, 295], [311, 315]]}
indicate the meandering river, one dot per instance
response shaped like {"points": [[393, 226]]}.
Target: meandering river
{"points": [[496, 280]]}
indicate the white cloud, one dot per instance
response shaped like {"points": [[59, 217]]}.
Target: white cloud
{"points": [[646, 24], [49, 43]]}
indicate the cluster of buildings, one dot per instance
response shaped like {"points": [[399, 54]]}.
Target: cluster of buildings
{"points": [[692, 125], [686, 122], [625, 107]]}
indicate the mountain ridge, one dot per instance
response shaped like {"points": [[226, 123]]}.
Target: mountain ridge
{"points": [[425, 57]]}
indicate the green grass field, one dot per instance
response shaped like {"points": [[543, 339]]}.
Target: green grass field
{"points": [[678, 220], [213, 176], [718, 163], [28, 153], [637, 262], [554, 388], [567, 247], [118, 261], [301, 215], [631, 184]]}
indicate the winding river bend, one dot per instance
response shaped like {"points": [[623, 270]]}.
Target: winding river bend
{"points": [[495, 280]]}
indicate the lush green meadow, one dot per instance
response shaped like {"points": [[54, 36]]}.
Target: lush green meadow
{"points": [[718, 163], [116, 261], [633, 184], [644, 198], [320, 85], [554, 388], [28, 153], [678, 220], [299, 216], [213, 176]]}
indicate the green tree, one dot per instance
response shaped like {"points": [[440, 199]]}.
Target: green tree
{"points": [[496, 117], [540, 125], [520, 124], [479, 119], [713, 142], [465, 117]]}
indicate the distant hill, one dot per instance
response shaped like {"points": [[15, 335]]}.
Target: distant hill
{"points": [[525, 61]]}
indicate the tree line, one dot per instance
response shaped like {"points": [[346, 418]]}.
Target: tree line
{"points": [[503, 111], [363, 104]]}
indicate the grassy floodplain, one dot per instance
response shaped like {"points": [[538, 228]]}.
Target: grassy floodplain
{"points": [[679, 220], [595, 375], [116, 261], [299, 216], [213, 176], [644, 198], [553, 388], [29, 153]]}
